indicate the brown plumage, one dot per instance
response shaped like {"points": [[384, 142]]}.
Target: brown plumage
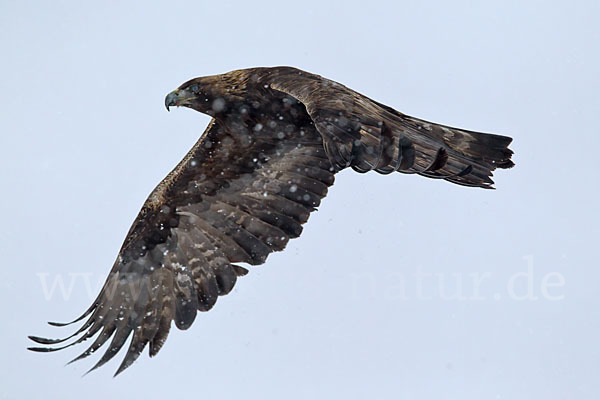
{"points": [[277, 137]]}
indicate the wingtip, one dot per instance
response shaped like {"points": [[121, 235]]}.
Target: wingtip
{"points": [[60, 324], [42, 340], [82, 316], [98, 364], [79, 357], [39, 349], [122, 368], [101, 363]]}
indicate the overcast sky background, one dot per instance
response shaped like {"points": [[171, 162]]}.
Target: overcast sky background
{"points": [[400, 287]]}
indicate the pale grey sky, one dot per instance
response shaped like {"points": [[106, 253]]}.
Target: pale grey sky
{"points": [[400, 287]]}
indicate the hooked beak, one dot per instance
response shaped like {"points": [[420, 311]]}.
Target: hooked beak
{"points": [[178, 97]]}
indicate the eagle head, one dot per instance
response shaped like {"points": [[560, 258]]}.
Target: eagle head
{"points": [[212, 95]]}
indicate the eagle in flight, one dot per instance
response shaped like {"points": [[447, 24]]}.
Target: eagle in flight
{"points": [[276, 139]]}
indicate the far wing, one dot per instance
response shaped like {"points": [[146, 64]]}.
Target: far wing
{"points": [[235, 197], [366, 135]]}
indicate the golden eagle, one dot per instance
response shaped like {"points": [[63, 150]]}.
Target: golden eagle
{"points": [[276, 139]]}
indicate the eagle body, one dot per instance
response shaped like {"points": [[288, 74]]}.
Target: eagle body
{"points": [[276, 140]]}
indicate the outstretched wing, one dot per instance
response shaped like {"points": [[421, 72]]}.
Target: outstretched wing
{"points": [[237, 196], [366, 135]]}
